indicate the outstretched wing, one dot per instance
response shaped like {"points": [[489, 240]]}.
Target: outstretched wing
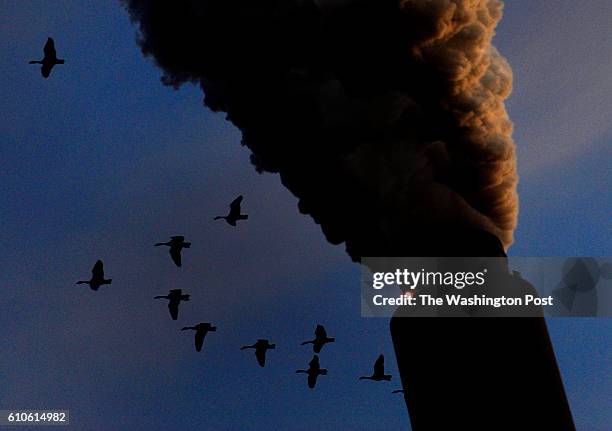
{"points": [[98, 270], [49, 49], [379, 365], [175, 254], [260, 354], [320, 332], [235, 206]]}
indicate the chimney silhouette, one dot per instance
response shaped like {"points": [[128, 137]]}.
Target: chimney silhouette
{"points": [[478, 373]]}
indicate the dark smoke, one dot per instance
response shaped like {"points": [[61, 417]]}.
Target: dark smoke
{"points": [[384, 117]]}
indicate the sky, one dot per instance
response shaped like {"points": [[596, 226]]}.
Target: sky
{"points": [[102, 161]]}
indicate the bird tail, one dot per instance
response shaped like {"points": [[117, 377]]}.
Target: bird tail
{"points": [[187, 245], [60, 61], [364, 378], [243, 217], [323, 371], [218, 218], [160, 297], [184, 297], [272, 346], [246, 347], [331, 340], [301, 371], [387, 377], [213, 329], [109, 281], [82, 282], [158, 244], [186, 328], [35, 62], [307, 342]]}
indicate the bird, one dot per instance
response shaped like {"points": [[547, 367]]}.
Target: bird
{"points": [[314, 370], [176, 244], [49, 60], [97, 277], [260, 346], [379, 371], [234, 214], [398, 391], [175, 296], [577, 293], [320, 339], [201, 330]]}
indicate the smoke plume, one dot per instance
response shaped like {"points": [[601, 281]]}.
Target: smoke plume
{"points": [[385, 118]]}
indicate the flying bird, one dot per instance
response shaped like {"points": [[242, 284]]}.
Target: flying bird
{"points": [[176, 244], [201, 330], [314, 370], [260, 346], [379, 371], [175, 296], [97, 277], [234, 214], [49, 60], [320, 339]]}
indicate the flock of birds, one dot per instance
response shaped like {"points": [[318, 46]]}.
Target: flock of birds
{"points": [[176, 296]]}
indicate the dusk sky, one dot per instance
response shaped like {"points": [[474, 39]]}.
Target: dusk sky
{"points": [[101, 161]]}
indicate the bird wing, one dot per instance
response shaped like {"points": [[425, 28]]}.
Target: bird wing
{"points": [[320, 332], [260, 354], [379, 365], [97, 271], [175, 254], [235, 206], [49, 49]]}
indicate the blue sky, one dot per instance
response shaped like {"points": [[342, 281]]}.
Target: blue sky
{"points": [[102, 161]]}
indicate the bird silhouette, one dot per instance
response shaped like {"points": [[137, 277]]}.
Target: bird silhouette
{"points": [[234, 214], [398, 391], [175, 296], [97, 277], [260, 346], [49, 60], [201, 330], [577, 292], [320, 339], [379, 371], [314, 371], [176, 244]]}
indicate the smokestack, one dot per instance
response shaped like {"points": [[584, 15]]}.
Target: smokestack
{"points": [[386, 119]]}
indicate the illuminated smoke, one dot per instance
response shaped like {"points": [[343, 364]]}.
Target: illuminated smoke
{"points": [[385, 118]]}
